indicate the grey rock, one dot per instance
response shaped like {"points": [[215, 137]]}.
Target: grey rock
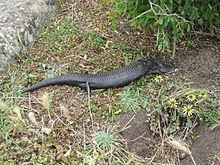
{"points": [[20, 23]]}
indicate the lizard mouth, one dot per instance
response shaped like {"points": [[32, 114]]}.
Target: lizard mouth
{"points": [[167, 68]]}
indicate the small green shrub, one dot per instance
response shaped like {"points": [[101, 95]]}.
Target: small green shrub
{"points": [[105, 140], [181, 107], [105, 147], [170, 20], [187, 109], [132, 100]]}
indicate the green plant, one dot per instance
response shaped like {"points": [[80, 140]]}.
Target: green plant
{"points": [[132, 100], [105, 147], [170, 20], [4, 124], [96, 39], [179, 107], [209, 111], [10, 86], [92, 106], [105, 140], [2, 159]]}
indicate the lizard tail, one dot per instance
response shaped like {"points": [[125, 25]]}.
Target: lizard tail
{"points": [[59, 80]]}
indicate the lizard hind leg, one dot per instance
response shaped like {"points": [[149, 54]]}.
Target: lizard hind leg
{"points": [[86, 87], [83, 85]]}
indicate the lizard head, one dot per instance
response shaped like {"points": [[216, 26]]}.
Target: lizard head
{"points": [[161, 65]]}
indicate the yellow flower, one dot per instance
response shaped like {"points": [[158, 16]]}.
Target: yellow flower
{"points": [[191, 97], [172, 102], [158, 78], [188, 110], [203, 94], [95, 154]]}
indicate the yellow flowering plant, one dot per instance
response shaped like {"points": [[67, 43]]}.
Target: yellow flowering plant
{"points": [[173, 103], [188, 110], [184, 109], [191, 97], [158, 79]]}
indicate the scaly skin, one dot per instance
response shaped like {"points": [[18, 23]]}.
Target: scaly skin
{"points": [[112, 79]]}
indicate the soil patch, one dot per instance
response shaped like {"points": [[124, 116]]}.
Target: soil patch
{"points": [[141, 141], [138, 135], [200, 65], [205, 149]]}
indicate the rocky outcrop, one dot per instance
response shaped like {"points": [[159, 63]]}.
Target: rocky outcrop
{"points": [[20, 22]]}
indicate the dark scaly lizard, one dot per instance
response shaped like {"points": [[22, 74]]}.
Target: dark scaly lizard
{"points": [[112, 79]]}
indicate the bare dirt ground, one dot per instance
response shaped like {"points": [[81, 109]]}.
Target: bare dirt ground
{"points": [[201, 64]]}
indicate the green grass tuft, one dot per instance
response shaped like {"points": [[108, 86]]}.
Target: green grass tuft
{"points": [[105, 140], [132, 99]]}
